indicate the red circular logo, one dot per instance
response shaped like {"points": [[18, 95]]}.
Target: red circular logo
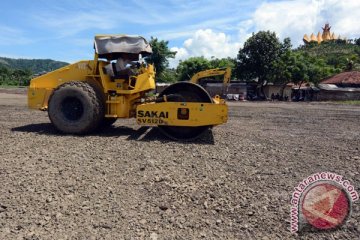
{"points": [[325, 206]]}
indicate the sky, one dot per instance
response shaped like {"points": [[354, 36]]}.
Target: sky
{"points": [[64, 30]]}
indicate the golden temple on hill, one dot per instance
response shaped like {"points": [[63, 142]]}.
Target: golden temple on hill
{"points": [[325, 36]]}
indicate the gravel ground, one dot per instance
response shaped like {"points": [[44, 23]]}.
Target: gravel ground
{"points": [[132, 183]]}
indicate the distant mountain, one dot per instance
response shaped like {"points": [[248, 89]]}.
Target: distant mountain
{"points": [[34, 65]]}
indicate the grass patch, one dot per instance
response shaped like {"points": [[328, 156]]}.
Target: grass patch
{"points": [[11, 86], [349, 102]]}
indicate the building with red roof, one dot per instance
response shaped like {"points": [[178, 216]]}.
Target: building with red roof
{"points": [[342, 86], [344, 79]]}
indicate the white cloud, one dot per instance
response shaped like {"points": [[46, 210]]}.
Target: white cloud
{"points": [[344, 17], [288, 19], [181, 54], [244, 30], [295, 18], [208, 44]]}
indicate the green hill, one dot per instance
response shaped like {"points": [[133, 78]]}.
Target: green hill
{"points": [[34, 65], [338, 54], [19, 71]]}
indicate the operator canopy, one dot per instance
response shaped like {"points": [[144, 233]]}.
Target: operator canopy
{"points": [[115, 46]]}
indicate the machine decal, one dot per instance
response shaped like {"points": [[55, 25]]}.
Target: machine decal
{"points": [[152, 114], [82, 65], [154, 121], [152, 117]]}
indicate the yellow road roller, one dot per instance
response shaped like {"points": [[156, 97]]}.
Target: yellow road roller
{"points": [[85, 95]]}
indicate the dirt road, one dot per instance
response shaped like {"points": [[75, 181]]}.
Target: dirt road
{"points": [[132, 183]]}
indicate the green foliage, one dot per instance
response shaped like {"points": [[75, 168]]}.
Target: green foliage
{"points": [[224, 63], [283, 67], [357, 41], [14, 77], [257, 57], [160, 55], [167, 76], [336, 54], [299, 67], [186, 69]]}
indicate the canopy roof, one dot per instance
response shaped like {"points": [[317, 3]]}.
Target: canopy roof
{"points": [[117, 45]]}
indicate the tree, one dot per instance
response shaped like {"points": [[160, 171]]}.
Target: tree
{"points": [[224, 63], [14, 77], [290, 67], [318, 69], [167, 76], [160, 55], [282, 65], [357, 41], [257, 58], [186, 69], [299, 67], [282, 68], [4, 75]]}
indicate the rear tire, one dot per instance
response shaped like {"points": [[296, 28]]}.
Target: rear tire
{"points": [[75, 108]]}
